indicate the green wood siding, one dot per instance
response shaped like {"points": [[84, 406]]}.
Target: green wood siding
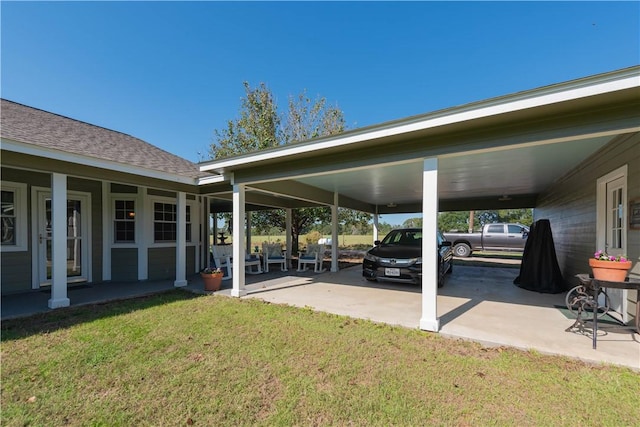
{"points": [[162, 262], [16, 272], [570, 205], [124, 264]]}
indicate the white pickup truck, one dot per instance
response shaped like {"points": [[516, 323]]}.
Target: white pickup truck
{"points": [[493, 237]]}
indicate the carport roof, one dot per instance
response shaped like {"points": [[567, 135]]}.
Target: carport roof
{"points": [[499, 153]]}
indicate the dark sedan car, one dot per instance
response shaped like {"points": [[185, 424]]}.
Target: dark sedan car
{"points": [[398, 257]]}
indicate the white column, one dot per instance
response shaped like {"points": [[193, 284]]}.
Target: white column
{"points": [[429, 320], [181, 239], [334, 233], [247, 247], [288, 227], [107, 231], [144, 232], [375, 226], [206, 236], [58, 241], [238, 289]]}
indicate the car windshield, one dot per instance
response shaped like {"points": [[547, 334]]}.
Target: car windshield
{"points": [[403, 237]]}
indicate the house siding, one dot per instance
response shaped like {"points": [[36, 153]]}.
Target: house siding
{"points": [[570, 205], [16, 272], [124, 263], [162, 262]]}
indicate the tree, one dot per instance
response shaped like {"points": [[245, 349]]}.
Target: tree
{"points": [[260, 126], [450, 221], [412, 223], [459, 221], [256, 129]]}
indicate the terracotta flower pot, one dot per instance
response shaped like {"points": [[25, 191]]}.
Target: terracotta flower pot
{"points": [[611, 271], [212, 282]]}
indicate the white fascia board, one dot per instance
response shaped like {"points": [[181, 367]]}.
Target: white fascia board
{"points": [[562, 92], [34, 150], [213, 179]]}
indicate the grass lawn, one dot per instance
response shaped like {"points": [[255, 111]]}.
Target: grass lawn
{"points": [[179, 359]]}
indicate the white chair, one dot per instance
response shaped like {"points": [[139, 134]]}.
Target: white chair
{"points": [[221, 255], [314, 255], [273, 254], [223, 258], [251, 261]]}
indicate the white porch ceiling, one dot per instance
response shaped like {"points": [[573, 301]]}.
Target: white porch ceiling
{"points": [[490, 174]]}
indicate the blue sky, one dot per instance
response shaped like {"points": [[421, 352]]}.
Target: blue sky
{"points": [[171, 72]]}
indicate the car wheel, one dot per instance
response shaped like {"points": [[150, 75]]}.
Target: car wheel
{"points": [[462, 250]]}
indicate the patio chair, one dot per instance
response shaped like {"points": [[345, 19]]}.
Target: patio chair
{"points": [[221, 256], [251, 261], [272, 253], [313, 255]]}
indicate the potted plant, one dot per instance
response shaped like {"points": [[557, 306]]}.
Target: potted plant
{"points": [[212, 278], [608, 267]]}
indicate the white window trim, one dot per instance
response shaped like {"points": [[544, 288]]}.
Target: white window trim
{"points": [[150, 223], [112, 217], [20, 200]]}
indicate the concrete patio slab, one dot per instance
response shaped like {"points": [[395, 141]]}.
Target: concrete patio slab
{"points": [[477, 303]]}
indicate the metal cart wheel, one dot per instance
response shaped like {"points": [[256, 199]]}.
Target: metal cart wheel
{"points": [[580, 298]]}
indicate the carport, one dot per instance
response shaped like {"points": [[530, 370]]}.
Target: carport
{"points": [[496, 154]]}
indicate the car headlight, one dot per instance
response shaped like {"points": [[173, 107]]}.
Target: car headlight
{"points": [[370, 257]]}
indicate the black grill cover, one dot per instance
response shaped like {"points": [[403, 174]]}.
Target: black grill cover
{"points": [[539, 270]]}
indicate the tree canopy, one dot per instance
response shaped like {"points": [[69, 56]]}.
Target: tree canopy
{"points": [[260, 126]]}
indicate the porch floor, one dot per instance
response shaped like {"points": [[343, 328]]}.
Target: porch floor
{"points": [[477, 303]]}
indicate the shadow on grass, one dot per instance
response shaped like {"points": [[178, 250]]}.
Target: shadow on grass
{"points": [[13, 329]]}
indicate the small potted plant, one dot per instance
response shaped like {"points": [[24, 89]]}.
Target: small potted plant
{"points": [[609, 267], [212, 278]]}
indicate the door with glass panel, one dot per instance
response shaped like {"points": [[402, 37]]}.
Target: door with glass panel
{"points": [[612, 229], [77, 242]]}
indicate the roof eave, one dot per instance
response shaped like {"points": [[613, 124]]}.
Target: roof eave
{"points": [[576, 89], [33, 150]]}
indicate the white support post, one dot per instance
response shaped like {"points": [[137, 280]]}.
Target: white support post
{"points": [[334, 233], [429, 320], [107, 212], [206, 236], [289, 242], [144, 232], [375, 227], [58, 241], [181, 240], [238, 289], [247, 247]]}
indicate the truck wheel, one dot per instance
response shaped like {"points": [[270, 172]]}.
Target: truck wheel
{"points": [[462, 250]]}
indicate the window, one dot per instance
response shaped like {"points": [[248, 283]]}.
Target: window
{"points": [[495, 229], [515, 229], [8, 215], [165, 222], [13, 211], [124, 224]]}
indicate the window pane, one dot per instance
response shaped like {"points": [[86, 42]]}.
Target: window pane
{"points": [[8, 231], [495, 229], [124, 224], [8, 218]]}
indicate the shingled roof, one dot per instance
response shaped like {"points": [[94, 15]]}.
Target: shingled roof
{"points": [[29, 125]]}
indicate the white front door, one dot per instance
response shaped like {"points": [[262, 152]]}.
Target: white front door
{"points": [[77, 241], [612, 226]]}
